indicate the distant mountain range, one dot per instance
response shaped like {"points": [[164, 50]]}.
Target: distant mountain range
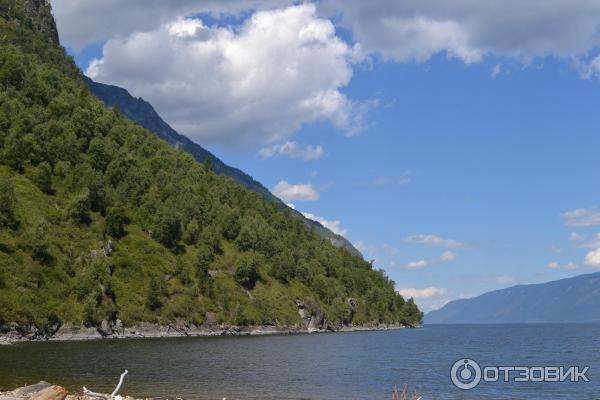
{"points": [[570, 300], [142, 112]]}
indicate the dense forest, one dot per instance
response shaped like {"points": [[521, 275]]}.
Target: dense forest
{"points": [[102, 220]]}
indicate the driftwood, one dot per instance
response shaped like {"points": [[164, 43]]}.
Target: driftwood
{"points": [[413, 395], [104, 396]]}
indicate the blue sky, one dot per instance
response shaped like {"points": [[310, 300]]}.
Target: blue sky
{"points": [[465, 169]]}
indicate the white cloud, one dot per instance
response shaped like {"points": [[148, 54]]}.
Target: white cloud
{"points": [[292, 149], [434, 241], [582, 217], [556, 265], [383, 254], [577, 237], [333, 225], [592, 258], [255, 84], [425, 293], [83, 22], [571, 265], [415, 30], [417, 264], [301, 192], [588, 69], [553, 265], [496, 70], [397, 30], [447, 256], [592, 243]]}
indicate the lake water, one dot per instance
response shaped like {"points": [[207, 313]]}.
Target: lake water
{"points": [[353, 365]]}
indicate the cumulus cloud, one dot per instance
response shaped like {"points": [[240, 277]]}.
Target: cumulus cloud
{"points": [[581, 217], [434, 240], [290, 192], [415, 30], [334, 226], [424, 293], [592, 258], [402, 31], [82, 22], [255, 84], [292, 149]]}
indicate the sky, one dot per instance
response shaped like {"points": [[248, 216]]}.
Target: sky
{"points": [[455, 143]]}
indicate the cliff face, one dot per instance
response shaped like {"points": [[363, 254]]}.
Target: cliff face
{"points": [[33, 14], [43, 22]]}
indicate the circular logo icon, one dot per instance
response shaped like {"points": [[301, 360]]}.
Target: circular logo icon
{"points": [[465, 373]]}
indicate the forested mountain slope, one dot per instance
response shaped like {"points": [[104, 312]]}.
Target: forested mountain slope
{"points": [[142, 112], [100, 220]]}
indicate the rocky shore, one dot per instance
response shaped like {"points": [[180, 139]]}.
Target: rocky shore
{"points": [[14, 333], [46, 391], [311, 322]]}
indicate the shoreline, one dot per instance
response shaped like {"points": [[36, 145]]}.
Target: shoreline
{"points": [[150, 331]]}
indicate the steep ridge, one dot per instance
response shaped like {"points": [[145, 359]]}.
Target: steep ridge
{"points": [[142, 112], [104, 226]]}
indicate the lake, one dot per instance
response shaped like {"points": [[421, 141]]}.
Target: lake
{"points": [[351, 365]]}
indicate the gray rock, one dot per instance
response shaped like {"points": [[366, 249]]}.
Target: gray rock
{"points": [[105, 328], [210, 318], [108, 248], [31, 389]]}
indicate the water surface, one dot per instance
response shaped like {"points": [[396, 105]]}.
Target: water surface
{"points": [[352, 365]]}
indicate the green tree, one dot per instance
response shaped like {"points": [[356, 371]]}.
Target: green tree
{"points": [[230, 225], [204, 258], [36, 239], [166, 228], [8, 202], [43, 177], [283, 266], [79, 207], [246, 271], [192, 232], [154, 294], [115, 221]]}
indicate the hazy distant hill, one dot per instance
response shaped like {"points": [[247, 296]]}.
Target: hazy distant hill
{"points": [[574, 299], [142, 112]]}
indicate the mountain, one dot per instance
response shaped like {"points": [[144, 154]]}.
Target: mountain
{"points": [[142, 112], [105, 226], [567, 300]]}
